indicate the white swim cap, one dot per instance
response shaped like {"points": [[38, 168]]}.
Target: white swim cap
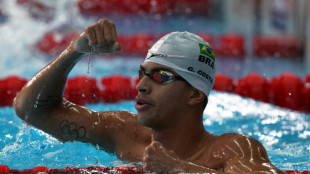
{"points": [[188, 55]]}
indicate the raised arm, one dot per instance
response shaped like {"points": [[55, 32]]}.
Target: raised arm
{"points": [[41, 103], [46, 88]]}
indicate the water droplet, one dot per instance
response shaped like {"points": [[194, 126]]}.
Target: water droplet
{"points": [[83, 95], [97, 147], [188, 10], [289, 93], [35, 105], [157, 16], [89, 56], [96, 161]]}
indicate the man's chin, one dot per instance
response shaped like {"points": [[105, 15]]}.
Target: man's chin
{"points": [[143, 120]]}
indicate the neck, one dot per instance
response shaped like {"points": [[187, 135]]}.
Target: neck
{"points": [[183, 138]]}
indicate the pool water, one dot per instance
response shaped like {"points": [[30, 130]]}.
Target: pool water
{"points": [[284, 133]]}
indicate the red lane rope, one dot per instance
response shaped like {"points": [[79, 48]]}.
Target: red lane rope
{"points": [[228, 45], [94, 169], [122, 169], [287, 90], [142, 7]]}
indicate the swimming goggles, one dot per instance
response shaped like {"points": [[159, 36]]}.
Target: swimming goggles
{"points": [[160, 76]]}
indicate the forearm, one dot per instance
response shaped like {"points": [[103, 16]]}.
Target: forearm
{"points": [[46, 87]]}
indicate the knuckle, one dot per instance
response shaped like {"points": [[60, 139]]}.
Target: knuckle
{"points": [[105, 22], [102, 20], [154, 142], [92, 26], [112, 24], [96, 25], [155, 145], [146, 157], [87, 29], [147, 150]]}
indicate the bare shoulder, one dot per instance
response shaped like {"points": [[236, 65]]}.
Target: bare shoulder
{"points": [[240, 145], [242, 154], [230, 146], [233, 137]]}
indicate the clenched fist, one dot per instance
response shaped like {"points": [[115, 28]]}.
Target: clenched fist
{"points": [[98, 38], [157, 159]]}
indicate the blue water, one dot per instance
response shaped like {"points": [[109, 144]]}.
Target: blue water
{"points": [[284, 133]]}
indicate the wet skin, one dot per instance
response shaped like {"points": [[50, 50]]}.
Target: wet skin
{"points": [[166, 134]]}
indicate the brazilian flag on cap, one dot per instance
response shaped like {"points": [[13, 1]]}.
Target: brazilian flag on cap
{"points": [[207, 51]]}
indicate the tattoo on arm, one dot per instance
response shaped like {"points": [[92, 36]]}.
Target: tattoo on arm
{"points": [[71, 129]]}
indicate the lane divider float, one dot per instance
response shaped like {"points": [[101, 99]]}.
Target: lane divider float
{"points": [[227, 45], [287, 90], [230, 45]]}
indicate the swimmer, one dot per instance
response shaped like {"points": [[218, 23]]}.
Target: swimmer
{"points": [[167, 133]]}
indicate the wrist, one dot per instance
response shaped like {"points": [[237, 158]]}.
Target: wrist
{"points": [[69, 57], [72, 49]]}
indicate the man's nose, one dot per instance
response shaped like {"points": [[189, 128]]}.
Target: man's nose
{"points": [[144, 85]]}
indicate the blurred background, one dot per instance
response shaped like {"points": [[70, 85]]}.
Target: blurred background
{"points": [[261, 46], [264, 36]]}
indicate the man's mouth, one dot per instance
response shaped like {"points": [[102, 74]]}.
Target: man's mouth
{"points": [[142, 104]]}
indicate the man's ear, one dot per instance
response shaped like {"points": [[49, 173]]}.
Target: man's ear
{"points": [[196, 97]]}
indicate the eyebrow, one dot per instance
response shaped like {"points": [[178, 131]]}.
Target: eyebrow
{"points": [[155, 69]]}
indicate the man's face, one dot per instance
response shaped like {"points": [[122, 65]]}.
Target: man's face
{"points": [[160, 105]]}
